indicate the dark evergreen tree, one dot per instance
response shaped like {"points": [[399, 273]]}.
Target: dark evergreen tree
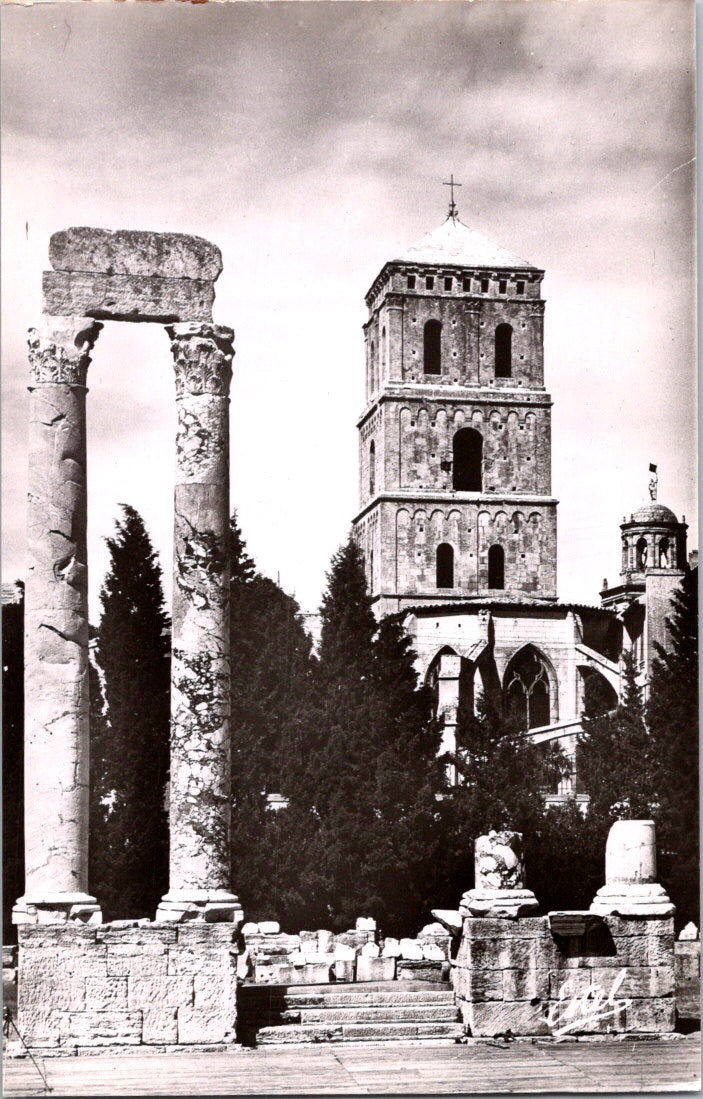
{"points": [[271, 663], [616, 759], [372, 773], [130, 734], [12, 760], [672, 717], [503, 777]]}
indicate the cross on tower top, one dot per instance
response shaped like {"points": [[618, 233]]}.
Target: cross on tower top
{"points": [[453, 212]]}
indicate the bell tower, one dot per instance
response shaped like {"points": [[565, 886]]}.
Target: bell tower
{"points": [[455, 436]]}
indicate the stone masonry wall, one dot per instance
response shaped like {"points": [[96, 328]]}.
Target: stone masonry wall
{"points": [[126, 984], [516, 975]]}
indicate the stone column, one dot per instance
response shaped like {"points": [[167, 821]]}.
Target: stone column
{"points": [[56, 739], [631, 887], [499, 879], [199, 811]]}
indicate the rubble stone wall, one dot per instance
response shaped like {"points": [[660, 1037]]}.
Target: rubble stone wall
{"points": [[517, 976], [117, 985]]}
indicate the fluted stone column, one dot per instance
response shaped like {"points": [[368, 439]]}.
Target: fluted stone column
{"points": [[56, 740], [199, 877]]}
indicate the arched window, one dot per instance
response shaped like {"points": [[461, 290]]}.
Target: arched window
{"points": [[504, 351], [372, 368], [432, 347], [496, 567], [372, 468], [467, 447], [664, 553], [371, 572], [445, 566], [641, 553], [526, 688]]}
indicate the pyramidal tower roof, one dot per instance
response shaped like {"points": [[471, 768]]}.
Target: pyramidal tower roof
{"points": [[455, 243]]}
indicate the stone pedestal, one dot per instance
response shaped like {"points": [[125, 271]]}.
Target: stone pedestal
{"points": [[56, 741], [499, 890], [630, 886], [199, 876]]}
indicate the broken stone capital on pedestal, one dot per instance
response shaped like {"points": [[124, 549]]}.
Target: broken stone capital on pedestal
{"points": [[499, 891], [630, 886]]}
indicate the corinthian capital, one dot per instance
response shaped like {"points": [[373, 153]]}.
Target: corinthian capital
{"points": [[59, 350], [202, 358]]}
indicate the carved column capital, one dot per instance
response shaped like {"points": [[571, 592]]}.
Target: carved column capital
{"points": [[202, 358], [59, 350]]}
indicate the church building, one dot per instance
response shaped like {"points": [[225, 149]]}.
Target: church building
{"points": [[457, 520]]}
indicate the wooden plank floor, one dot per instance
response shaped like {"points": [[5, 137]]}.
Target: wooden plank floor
{"points": [[668, 1065]]}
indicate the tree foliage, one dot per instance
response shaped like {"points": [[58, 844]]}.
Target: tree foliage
{"points": [[672, 717], [130, 729], [12, 760]]}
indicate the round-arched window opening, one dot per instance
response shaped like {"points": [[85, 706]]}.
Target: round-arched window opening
{"points": [[445, 565], [504, 351], [467, 460], [432, 347]]}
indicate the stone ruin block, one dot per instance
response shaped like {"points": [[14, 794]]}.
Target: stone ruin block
{"points": [[134, 252], [126, 297], [375, 969], [103, 1028]]}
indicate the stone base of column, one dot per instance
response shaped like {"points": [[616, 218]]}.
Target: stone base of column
{"points": [[499, 904], [206, 905], [648, 899], [44, 908]]}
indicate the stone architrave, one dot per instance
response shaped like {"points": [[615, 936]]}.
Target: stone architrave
{"points": [[499, 873], [199, 809], [631, 888], [56, 739]]}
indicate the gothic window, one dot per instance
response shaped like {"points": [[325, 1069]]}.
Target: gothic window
{"points": [[432, 347], [372, 468], [467, 447], [445, 566], [664, 553], [526, 688], [641, 554], [496, 567], [504, 350]]}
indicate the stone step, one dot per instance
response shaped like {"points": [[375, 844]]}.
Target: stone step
{"points": [[315, 993], [362, 999], [420, 1013], [358, 1032]]}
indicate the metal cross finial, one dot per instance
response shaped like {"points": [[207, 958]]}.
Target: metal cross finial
{"points": [[453, 212]]}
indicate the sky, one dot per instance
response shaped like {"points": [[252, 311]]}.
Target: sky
{"points": [[310, 142]]}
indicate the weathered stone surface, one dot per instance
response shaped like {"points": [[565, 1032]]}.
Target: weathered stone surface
{"points": [[651, 1016], [159, 991], [266, 927], [56, 989], [134, 252], [127, 297], [391, 948], [344, 969], [136, 959], [633, 900], [186, 959], [74, 937], [478, 985], [651, 925], [365, 923], [631, 853], [212, 937], [196, 1025], [433, 953], [449, 918], [103, 1028], [488, 1019], [160, 1025], [147, 933], [639, 982], [343, 953], [411, 970], [499, 903], [526, 927], [498, 861], [370, 950], [41, 1026], [409, 949], [56, 621], [105, 993], [214, 991], [521, 984], [375, 969], [689, 932], [200, 674], [250, 928]]}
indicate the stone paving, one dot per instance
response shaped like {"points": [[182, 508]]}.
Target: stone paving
{"points": [[597, 1065]]}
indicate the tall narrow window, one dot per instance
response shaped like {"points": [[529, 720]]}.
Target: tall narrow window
{"points": [[641, 554], [467, 285], [372, 468], [432, 347], [445, 566], [526, 688], [496, 567], [502, 286], [371, 577], [372, 368], [467, 453], [504, 351], [664, 553], [411, 282]]}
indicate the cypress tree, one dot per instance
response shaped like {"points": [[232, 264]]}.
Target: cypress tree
{"points": [[130, 739], [672, 717]]}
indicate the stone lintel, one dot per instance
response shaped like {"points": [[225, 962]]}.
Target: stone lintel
{"points": [[127, 297], [134, 252]]}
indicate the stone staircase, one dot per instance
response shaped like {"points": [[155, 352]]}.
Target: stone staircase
{"points": [[397, 1011]]}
